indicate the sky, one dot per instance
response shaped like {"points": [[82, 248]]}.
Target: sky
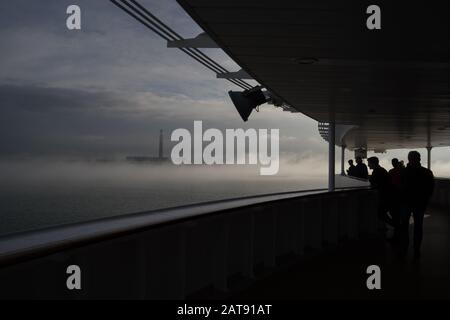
{"points": [[106, 90]]}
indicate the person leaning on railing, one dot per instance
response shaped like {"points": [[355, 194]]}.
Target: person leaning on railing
{"points": [[360, 170]]}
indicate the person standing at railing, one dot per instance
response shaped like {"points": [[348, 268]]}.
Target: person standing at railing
{"points": [[351, 168], [380, 180], [417, 185], [395, 176], [361, 169]]}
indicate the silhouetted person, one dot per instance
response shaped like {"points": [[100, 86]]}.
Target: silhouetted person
{"points": [[361, 169], [351, 169], [417, 186], [395, 175], [380, 180]]}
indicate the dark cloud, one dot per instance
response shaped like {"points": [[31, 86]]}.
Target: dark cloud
{"points": [[45, 99], [38, 120], [107, 90]]}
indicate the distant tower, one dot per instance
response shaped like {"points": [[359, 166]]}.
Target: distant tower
{"points": [[160, 154]]}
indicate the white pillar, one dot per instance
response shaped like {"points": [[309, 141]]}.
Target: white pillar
{"points": [[331, 153], [429, 157], [343, 160]]}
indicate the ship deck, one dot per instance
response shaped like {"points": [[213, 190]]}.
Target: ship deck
{"points": [[339, 272]]}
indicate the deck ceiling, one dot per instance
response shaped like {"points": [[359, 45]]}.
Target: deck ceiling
{"points": [[393, 83]]}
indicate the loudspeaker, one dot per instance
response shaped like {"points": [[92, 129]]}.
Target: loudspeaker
{"points": [[246, 101]]}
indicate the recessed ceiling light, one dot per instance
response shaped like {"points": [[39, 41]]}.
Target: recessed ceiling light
{"points": [[305, 60]]}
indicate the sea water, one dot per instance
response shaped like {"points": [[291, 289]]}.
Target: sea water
{"points": [[38, 195]]}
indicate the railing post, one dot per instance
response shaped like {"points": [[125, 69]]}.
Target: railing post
{"points": [[220, 272], [429, 157], [248, 271], [271, 252], [316, 227], [300, 228], [333, 221], [353, 218], [182, 263], [331, 155], [141, 266]]}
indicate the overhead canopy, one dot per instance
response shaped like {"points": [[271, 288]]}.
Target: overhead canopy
{"points": [[319, 56]]}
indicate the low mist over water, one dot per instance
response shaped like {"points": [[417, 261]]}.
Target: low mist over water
{"points": [[37, 194]]}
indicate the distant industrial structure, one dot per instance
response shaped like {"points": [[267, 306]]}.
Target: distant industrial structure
{"points": [[159, 159]]}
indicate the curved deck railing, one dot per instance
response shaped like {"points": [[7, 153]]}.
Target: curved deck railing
{"points": [[174, 252], [31, 244]]}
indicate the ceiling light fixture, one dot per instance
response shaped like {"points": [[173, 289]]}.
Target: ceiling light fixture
{"points": [[305, 60]]}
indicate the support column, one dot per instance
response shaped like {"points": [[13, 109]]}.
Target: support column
{"points": [[331, 155], [343, 160], [429, 157]]}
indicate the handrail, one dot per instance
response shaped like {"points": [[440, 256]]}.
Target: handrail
{"points": [[441, 178], [27, 245], [355, 178]]}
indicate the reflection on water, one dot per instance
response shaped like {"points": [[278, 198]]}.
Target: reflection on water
{"points": [[36, 195]]}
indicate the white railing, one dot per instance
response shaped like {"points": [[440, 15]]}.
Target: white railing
{"points": [[173, 253]]}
